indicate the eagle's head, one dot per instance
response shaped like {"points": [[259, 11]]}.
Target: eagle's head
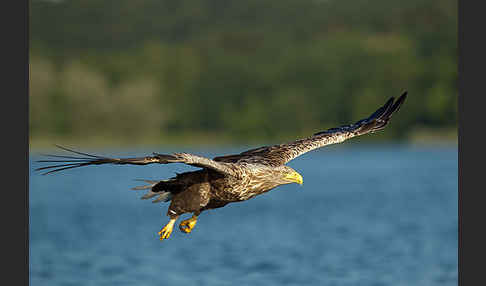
{"points": [[289, 175]]}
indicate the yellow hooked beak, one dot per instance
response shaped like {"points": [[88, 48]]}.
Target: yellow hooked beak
{"points": [[295, 177]]}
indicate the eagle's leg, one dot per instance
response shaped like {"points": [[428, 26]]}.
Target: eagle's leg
{"points": [[188, 224], [167, 230]]}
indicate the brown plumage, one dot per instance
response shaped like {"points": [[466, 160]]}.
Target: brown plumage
{"points": [[229, 178]]}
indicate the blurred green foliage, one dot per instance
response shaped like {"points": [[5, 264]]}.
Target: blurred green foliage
{"points": [[239, 70]]}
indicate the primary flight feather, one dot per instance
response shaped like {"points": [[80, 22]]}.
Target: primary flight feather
{"points": [[230, 178]]}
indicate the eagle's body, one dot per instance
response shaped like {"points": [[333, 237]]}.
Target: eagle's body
{"points": [[196, 191], [230, 178]]}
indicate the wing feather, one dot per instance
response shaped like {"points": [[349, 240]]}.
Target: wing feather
{"points": [[70, 162], [280, 154]]}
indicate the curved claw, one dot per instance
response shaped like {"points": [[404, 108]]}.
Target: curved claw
{"points": [[167, 230], [188, 224]]}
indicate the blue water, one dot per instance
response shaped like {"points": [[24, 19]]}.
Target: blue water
{"points": [[365, 215]]}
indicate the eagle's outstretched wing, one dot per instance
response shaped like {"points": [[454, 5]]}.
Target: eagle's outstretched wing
{"points": [[280, 154], [68, 162]]}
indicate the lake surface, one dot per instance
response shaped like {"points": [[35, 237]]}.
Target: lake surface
{"points": [[365, 215]]}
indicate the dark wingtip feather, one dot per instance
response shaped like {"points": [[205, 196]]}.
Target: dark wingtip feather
{"points": [[57, 170], [70, 161], [401, 100], [77, 152], [385, 117], [379, 112], [396, 106]]}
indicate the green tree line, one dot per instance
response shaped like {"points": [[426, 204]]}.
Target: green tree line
{"points": [[238, 70]]}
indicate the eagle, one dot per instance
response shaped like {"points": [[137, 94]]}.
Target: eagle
{"points": [[226, 179]]}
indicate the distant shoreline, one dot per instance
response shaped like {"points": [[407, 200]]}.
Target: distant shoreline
{"points": [[418, 138]]}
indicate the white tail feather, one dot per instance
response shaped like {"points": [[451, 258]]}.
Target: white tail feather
{"points": [[151, 184], [149, 195], [164, 196]]}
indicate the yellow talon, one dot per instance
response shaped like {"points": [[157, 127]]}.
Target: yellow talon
{"points": [[167, 230], [188, 224]]}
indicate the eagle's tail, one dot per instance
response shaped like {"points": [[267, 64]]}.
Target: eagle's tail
{"points": [[155, 190]]}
